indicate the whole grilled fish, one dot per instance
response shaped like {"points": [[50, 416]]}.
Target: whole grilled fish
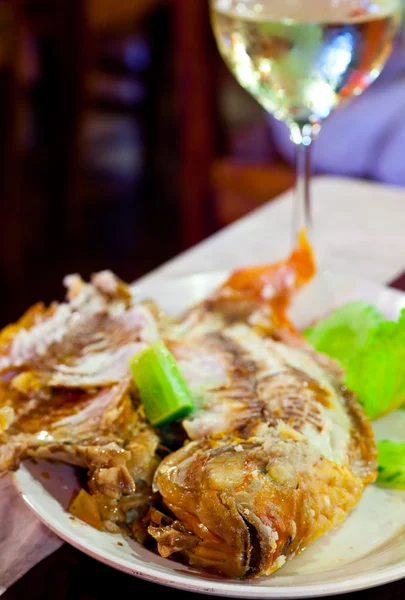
{"points": [[281, 451]]}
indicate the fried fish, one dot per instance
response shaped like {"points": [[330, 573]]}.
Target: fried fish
{"points": [[276, 453]]}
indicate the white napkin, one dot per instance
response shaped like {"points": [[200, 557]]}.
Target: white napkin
{"points": [[24, 541]]}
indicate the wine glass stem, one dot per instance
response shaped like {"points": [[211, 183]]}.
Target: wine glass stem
{"points": [[302, 204]]}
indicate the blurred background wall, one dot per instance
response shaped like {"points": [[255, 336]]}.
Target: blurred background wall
{"points": [[124, 140]]}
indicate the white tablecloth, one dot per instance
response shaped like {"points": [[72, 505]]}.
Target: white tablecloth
{"points": [[359, 229]]}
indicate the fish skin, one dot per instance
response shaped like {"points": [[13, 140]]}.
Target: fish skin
{"points": [[250, 505]]}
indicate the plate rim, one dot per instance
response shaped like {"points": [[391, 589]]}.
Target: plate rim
{"points": [[225, 588], [230, 589]]}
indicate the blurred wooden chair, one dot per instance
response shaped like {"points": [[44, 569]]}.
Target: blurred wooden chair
{"points": [[216, 187], [242, 186]]}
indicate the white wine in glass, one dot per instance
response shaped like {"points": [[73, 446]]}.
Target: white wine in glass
{"points": [[302, 58]]}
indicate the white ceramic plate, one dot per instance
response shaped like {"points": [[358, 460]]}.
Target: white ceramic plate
{"points": [[367, 550]]}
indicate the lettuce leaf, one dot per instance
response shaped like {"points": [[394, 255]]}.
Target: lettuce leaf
{"points": [[371, 351], [345, 330], [376, 372], [391, 464]]}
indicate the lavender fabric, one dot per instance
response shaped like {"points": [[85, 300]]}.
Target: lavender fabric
{"points": [[366, 137], [24, 541]]}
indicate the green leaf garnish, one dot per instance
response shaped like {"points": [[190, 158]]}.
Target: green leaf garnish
{"points": [[376, 372], [344, 331], [371, 350], [162, 388], [391, 464]]}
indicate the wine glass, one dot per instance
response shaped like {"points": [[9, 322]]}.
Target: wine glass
{"points": [[302, 58]]}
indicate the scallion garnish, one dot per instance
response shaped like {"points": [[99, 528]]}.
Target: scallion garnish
{"points": [[162, 388]]}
